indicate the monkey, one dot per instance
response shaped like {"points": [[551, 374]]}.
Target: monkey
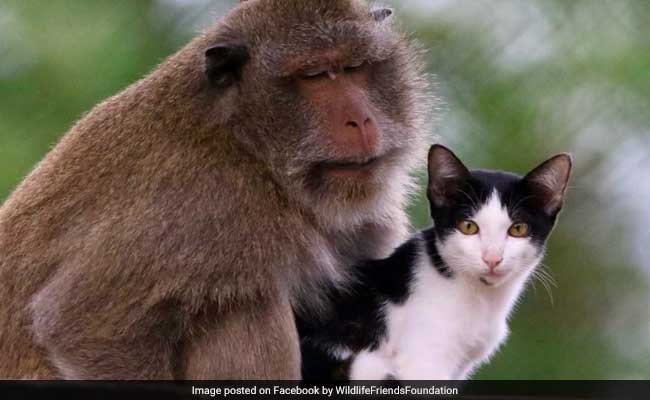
{"points": [[174, 230]]}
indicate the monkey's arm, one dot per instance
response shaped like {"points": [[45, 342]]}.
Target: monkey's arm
{"points": [[257, 340], [91, 332], [96, 337]]}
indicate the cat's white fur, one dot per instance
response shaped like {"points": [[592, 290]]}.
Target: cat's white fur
{"points": [[449, 326]]}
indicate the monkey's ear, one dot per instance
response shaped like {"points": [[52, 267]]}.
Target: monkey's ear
{"points": [[223, 63], [381, 14], [446, 173]]}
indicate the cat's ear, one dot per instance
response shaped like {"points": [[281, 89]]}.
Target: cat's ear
{"points": [[548, 182], [446, 172]]}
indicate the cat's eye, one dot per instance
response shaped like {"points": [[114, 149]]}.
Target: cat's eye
{"points": [[467, 227], [518, 230]]}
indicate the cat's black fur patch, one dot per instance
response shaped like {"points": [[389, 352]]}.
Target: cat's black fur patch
{"points": [[356, 317], [429, 237], [318, 365]]}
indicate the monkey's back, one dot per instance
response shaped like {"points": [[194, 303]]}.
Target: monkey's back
{"points": [[139, 195]]}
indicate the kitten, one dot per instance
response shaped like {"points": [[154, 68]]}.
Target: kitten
{"points": [[438, 306]]}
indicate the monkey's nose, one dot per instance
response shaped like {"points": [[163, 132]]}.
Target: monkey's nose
{"points": [[362, 136]]}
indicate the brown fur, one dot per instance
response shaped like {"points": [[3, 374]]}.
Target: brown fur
{"points": [[172, 229]]}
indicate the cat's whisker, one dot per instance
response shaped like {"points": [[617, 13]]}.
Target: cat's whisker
{"points": [[515, 207], [546, 281], [544, 269], [470, 198], [534, 284], [474, 192]]}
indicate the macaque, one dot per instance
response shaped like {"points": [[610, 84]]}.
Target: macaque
{"points": [[173, 231]]}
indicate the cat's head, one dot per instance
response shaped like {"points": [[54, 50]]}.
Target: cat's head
{"points": [[492, 226]]}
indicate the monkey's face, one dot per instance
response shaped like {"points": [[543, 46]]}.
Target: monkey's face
{"points": [[331, 96]]}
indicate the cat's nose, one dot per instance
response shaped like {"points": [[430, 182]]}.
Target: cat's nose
{"points": [[492, 261]]}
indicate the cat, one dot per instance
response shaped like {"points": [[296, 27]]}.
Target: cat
{"points": [[437, 308]]}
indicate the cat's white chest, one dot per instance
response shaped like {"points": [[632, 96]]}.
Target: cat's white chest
{"points": [[442, 332], [446, 334]]}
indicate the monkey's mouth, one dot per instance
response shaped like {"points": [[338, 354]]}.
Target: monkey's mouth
{"points": [[352, 165], [360, 169]]}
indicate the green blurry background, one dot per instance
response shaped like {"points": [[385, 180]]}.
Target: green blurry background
{"points": [[518, 80]]}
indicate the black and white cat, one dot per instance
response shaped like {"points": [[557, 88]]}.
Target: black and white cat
{"points": [[438, 306]]}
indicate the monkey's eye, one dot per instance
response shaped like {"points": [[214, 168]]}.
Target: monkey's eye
{"points": [[354, 66], [314, 73]]}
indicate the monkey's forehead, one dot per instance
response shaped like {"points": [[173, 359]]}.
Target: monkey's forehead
{"points": [[284, 32], [309, 11], [296, 51]]}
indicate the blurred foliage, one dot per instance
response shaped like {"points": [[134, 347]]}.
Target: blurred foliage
{"points": [[518, 81]]}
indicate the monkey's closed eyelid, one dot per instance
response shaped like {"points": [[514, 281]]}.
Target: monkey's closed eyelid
{"points": [[355, 65], [314, 72]]}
